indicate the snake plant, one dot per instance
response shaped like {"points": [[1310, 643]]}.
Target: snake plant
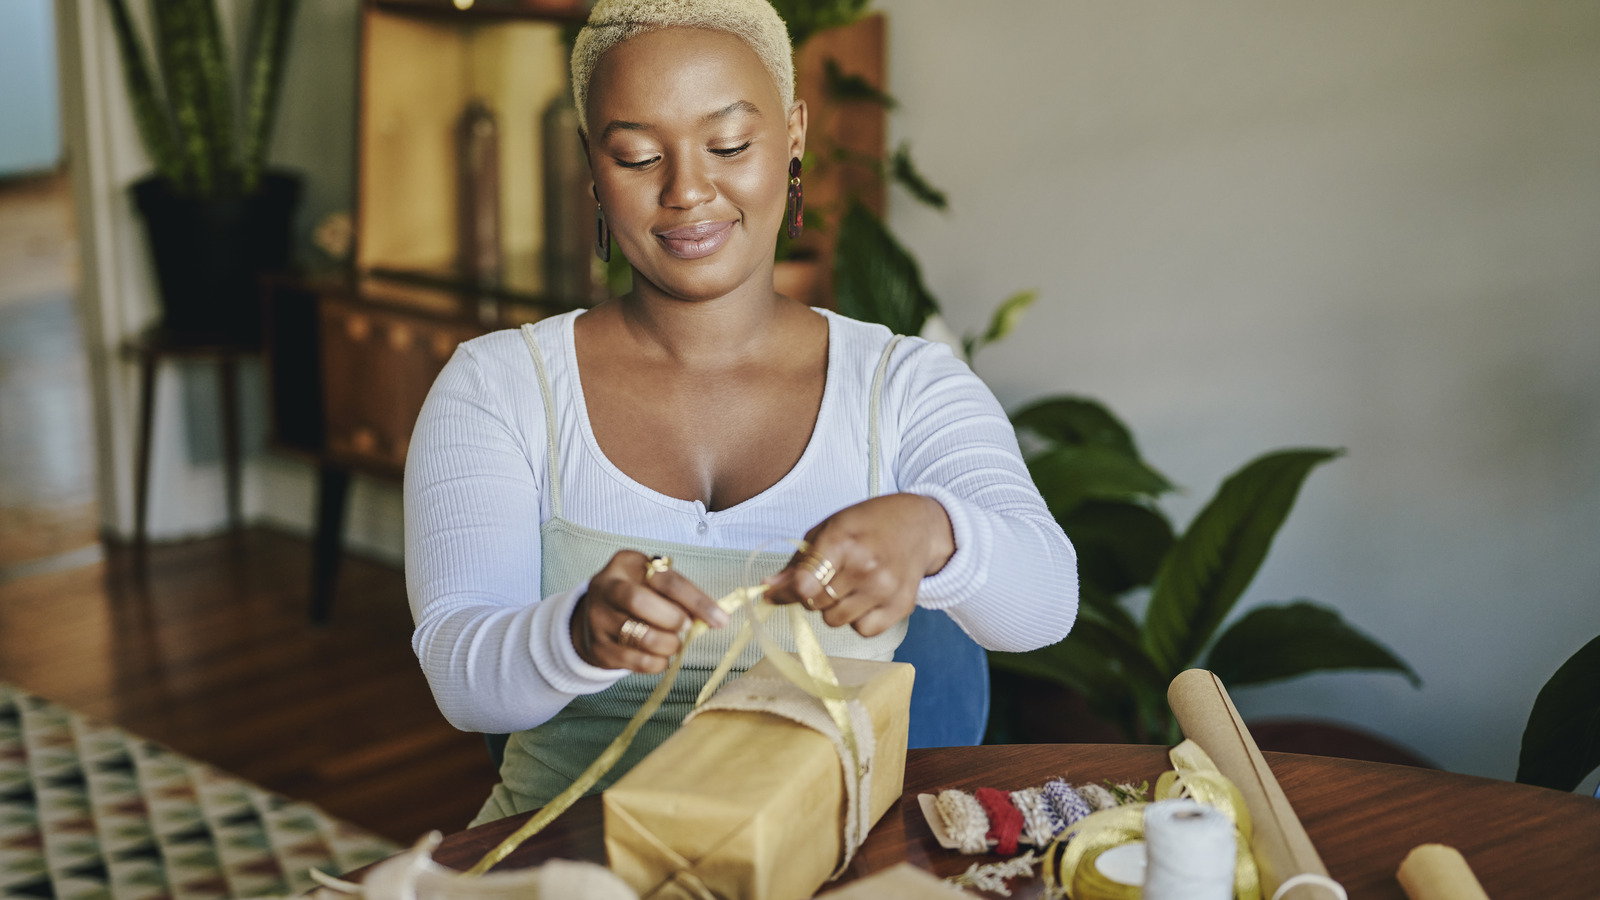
{"points": [[187, 117]]}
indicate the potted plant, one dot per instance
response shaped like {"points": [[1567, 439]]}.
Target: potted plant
{"points": [[215, 216]]}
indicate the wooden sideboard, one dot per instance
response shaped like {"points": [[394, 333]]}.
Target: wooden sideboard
{"points": [[349, 363]]}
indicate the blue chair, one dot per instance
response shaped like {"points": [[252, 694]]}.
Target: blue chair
{"points": [[950, 700]]}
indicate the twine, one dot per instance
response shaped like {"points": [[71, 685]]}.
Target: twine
{"points": [[965, 819], [1097, 797], [1040, 823], [1005, 820], [1065, 803]]}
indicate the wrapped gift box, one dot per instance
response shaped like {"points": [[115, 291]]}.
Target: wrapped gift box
{"points": [[749, 805]]}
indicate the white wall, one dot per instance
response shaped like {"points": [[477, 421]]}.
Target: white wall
{"points": [[1368, 224]]}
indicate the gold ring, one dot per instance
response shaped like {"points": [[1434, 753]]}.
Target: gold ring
{"points": [[828, 589], [657, 565], [821, 568], [809, 603], [634, 632]]}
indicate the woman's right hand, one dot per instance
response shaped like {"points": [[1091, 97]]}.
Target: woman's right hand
{"points": [[631, 617]]}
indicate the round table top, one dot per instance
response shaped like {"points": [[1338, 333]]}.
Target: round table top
{"points": [[1363, 817]]}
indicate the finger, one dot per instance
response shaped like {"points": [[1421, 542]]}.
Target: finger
{"points": [[635, 601], [875, 621], [672, 585]]}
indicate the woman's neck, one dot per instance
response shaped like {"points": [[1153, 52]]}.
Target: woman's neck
{"points": [[704, 333]]}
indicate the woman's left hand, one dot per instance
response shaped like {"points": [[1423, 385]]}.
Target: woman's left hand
{"points": [[862, 565]]}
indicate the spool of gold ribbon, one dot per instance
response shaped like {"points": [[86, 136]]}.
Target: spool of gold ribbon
{"points": [[1093, 881], [1194, 776], [811, 673]]}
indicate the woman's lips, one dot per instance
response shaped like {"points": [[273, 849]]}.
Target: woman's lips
{"points": [[696, 241]]}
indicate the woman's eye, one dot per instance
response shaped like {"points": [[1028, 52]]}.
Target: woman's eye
{"points": [[636, 164], [726, 152]]}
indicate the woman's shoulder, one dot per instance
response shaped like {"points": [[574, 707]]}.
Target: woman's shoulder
{"points": [[867, 342]]}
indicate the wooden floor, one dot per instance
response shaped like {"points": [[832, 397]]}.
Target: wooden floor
{"points": [[210, 653]]}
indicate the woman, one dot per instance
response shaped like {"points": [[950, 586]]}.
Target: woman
{"points": [[702, 417]]}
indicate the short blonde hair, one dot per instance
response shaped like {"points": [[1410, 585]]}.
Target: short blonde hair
{"points": [[613, 21]]}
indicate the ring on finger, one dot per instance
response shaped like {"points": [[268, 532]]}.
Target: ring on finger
{"points": [[821, 568], [809, 603], [828, 589], [633, 633], [657, 565]]}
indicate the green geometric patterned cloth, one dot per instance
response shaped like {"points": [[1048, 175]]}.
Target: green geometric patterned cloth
{"points": [[90, 811]]}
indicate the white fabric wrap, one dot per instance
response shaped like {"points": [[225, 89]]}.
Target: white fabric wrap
{"points": [[781, 697]]}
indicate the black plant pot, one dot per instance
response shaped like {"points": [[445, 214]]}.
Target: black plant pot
{"points": [[210, 253]]}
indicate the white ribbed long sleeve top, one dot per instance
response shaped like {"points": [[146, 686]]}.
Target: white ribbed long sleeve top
{"points": [[499, 657]]}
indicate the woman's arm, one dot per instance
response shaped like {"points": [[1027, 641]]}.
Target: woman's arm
{"points": [[498, 656], [1010, 578]]}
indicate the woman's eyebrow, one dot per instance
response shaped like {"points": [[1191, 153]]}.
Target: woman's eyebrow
{"points": [[738, 106]]}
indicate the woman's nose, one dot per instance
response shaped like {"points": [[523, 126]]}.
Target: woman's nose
{"points": [[688, 184]]}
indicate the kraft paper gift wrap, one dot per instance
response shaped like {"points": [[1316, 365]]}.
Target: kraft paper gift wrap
{"points": [[741, 804]]}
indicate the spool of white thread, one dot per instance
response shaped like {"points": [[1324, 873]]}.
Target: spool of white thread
{"points": [[1191, 851]]}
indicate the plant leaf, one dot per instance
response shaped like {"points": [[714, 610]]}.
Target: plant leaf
{"points": [[216, 91], [1217, 557], [1002, 322], [847, 87], [904, 171], [807, 17], [1069, 476], [178, 50], [1075, 421], [150, 112], [269, 46], [1561, 743], [1270, 643], [1120, 545], [875, 279]]}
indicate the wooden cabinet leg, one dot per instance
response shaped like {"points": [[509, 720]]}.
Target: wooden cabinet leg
{"points": [[141, 485], [229, 388], [333, 485]]}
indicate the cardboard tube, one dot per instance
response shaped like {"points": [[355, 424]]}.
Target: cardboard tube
{"points": [[1437, 872], [1280, 845]]}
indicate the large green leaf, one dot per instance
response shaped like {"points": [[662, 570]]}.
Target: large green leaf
{"points": [[1218, 556], [1270, 643], [1561, 743], [875, 279], [1075, 421], [178, 49], [1069, 476], [216, 92], [1120, 545]]}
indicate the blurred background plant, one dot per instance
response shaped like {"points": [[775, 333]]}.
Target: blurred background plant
{"points": [[1104, 495], [186, 118], [1561, 742]]}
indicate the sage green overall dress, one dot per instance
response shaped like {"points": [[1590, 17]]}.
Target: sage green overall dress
{"points": [[541, 762]]}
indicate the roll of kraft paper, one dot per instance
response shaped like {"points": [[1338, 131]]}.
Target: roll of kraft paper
{"points": [[1190, 850], [1289, 864], [1437, 872]]}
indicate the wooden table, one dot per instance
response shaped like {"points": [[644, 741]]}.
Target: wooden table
{"points": [[1363, 817]]}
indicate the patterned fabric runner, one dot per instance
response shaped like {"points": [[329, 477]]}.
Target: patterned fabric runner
{"points": [[90, 811]]}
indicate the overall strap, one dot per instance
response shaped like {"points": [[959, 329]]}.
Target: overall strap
{"points": [[876, 401], [552, 453]]}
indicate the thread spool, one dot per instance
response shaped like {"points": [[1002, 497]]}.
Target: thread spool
{"points": [[1112, 873], [1191, 851]]}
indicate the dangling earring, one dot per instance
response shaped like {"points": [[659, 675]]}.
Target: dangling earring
{"points": [[797, 200], [602, 235]]}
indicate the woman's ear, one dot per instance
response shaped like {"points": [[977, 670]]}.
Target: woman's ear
{"points": [[797, 130]]}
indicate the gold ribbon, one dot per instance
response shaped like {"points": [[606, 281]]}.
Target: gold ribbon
{"points": [[812, 674], [1195, 776]]}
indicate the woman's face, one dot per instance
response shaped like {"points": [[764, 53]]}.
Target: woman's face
{"points": [[690, 145]]}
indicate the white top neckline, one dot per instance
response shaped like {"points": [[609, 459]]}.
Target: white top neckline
{"points": [[697, 507]]}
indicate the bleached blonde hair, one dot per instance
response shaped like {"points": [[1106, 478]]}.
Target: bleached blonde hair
{"points": [[613, 21]]}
